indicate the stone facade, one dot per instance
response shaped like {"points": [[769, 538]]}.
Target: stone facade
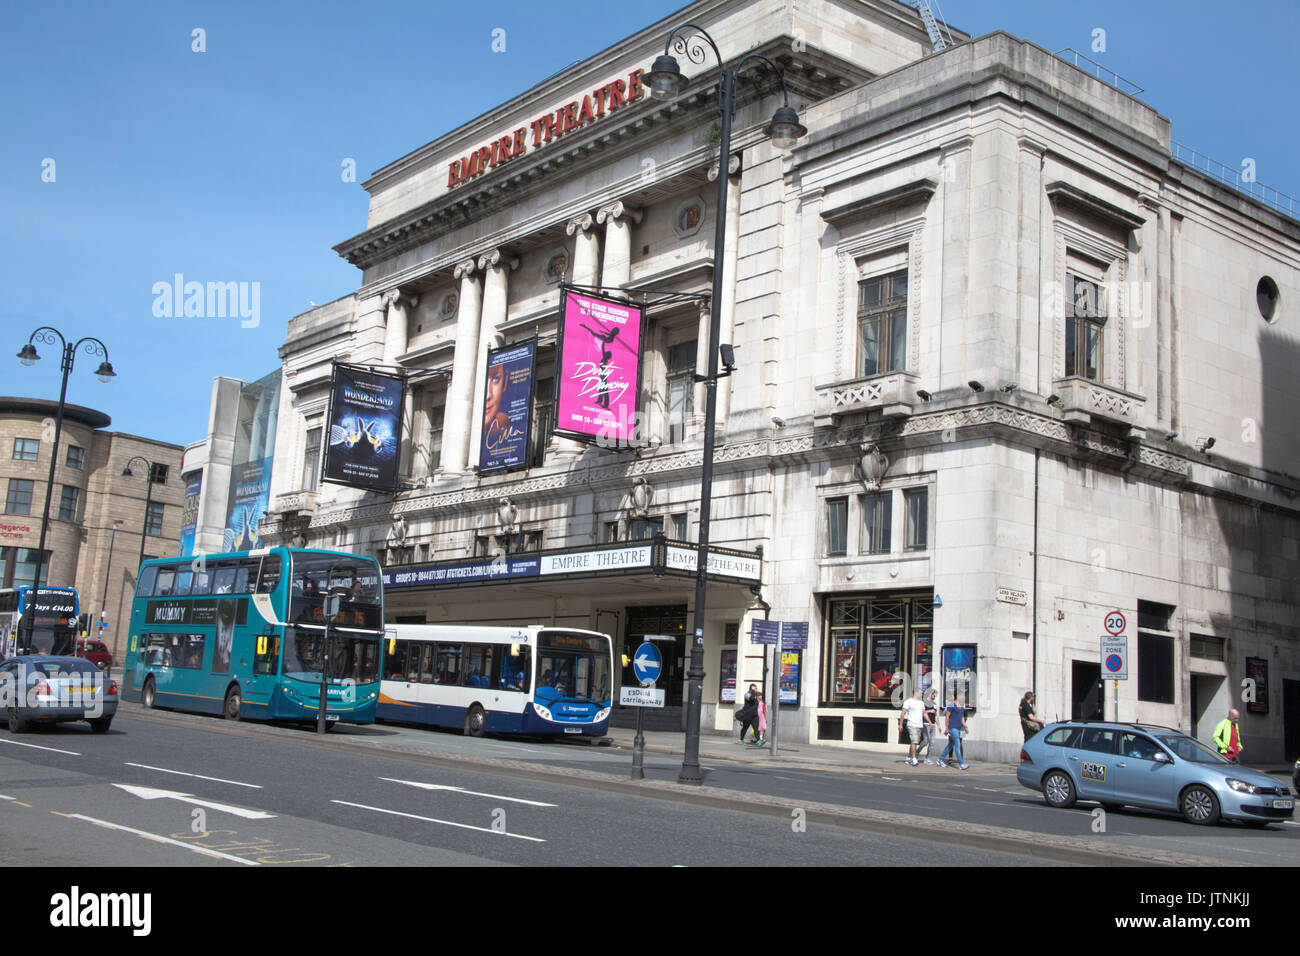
{"points": [[86, 552], [1015, 443]]}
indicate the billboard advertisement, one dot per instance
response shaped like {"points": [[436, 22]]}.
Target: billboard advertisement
{"points": [[364, 429], [250, 497], [507, 407], [598, 371], [190, 512]]}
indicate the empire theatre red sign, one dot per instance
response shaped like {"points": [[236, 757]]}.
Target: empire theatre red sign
{"points": [[548, 126]]}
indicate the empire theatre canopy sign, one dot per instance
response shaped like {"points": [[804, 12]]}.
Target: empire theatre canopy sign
{"points": [[547, 127]]}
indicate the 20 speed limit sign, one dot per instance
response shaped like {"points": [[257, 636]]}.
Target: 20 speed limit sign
{"points": [[1115, 623]]}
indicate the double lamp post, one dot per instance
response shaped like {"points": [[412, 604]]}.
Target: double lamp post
{"points": [[666, 82]]}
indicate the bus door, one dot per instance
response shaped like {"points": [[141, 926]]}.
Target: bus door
{"points": [[266, 667]]}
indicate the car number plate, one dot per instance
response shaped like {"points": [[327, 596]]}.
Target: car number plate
{"points": [[573, 730], [1283, 804]]}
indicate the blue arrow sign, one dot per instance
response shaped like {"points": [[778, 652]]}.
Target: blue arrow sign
{"points": [[647, 664]]}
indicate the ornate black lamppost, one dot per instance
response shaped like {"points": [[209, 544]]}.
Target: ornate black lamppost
{"points": [[666, 80], [49, 336]]}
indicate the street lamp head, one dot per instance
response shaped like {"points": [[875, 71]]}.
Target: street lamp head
{"points": [[785, 129], [28, 355], [665, 78], [105, 371]]}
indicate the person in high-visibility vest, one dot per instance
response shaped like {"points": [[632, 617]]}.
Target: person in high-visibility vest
{"points": [[1227, 736]]}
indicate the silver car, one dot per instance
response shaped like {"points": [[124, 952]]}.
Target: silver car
{"points": [[1145, 766], [36, 688]]}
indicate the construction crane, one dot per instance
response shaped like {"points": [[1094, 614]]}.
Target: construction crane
{"points": [[931, 27]]}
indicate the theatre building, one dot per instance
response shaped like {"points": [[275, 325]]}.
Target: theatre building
{"points": [[1008, 377]]}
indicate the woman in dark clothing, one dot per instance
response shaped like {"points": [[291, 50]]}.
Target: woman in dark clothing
{"points": [[748, 714], [1029, 722]]}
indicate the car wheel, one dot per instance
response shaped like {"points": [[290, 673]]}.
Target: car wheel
{"points": [[17, 723], [1199, 806], [475, 722], [147, 694], [233, 704], [100, 725], [1058, 790]]}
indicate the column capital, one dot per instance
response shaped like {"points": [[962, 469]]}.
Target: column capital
{"points": [[399, 298], [495, 257], [733, 167], [585, 222], [619, 210], [465, 268]]}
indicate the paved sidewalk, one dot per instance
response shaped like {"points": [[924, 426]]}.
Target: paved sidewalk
{"points": [[715, 746]]}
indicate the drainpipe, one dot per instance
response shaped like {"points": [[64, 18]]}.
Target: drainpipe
{"points": [[1033, 646]]}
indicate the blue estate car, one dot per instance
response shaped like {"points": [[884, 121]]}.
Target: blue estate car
{"points": [[1144, 766]]}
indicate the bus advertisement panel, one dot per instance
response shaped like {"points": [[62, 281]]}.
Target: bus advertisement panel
{"points": [[537, 680], [244, 635], [38, 621]]}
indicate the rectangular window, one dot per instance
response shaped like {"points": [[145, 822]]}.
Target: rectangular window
{"points": [[681, 388], [153, 522], [643, 529], [543, 420], [916, 501], [158, 473], [1155, 668], [1207, 648], [877, 520], [679, 528], [25, 567], [837, 526], [1085, 323], [76, 457], [478, 665], [19, 499], [311, 460], [882, 324], [26, 449], [68, 499], [611, 532], [448, 671]]}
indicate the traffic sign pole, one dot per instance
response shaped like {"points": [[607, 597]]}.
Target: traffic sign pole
{"points": [[647, 665]]}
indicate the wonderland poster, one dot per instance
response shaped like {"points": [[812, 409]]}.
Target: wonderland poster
{"points": [[599, 369], [507, 407], [364, 429], [250, 497]]}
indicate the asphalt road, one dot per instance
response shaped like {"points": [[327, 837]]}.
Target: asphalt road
{"points": [[182, 790]]}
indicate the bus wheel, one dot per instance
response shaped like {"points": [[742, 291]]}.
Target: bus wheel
{"points": [[475, 722], [147, 694], [233, 703]]}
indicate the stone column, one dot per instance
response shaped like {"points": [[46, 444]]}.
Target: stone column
{"points": [[399, 308], [460, 392], [616, 266], [586, 268], [496, 271]]}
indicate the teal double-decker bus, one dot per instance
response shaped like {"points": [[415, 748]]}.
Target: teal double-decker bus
{"points": [[244, 635]]}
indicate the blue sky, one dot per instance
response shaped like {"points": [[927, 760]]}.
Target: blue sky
{"points": [[226, 165]]}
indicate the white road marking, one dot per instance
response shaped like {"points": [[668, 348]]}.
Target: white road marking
{"points": [[471, 793], [447, 823], [198, 776], [891, 778], [149, 793], [53, 750], [160, 839]]}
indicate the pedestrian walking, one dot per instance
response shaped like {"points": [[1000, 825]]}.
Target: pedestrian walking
{"points": [[955, 723], [913, 715], [930, 728], [748, 714], [1227, 736], [762, 720], [1029, 722]]}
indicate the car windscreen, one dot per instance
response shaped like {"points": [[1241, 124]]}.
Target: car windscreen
{"points": [[1190, 749]]}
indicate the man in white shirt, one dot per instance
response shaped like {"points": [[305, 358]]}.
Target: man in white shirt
{"points": [[913, 714]]}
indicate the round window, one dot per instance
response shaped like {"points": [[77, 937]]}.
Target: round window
{"points": [[1266, 296]]}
